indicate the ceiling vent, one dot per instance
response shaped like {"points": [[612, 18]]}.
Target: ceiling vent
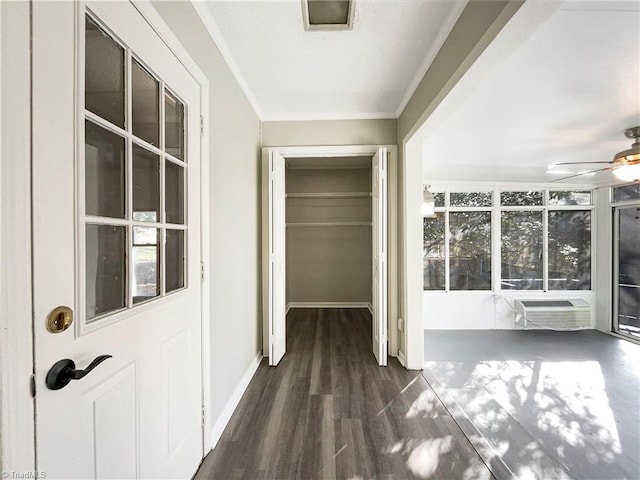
{"points": [[328, 14]]}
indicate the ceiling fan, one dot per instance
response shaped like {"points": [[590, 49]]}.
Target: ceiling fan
{"points": [[625, 164]]}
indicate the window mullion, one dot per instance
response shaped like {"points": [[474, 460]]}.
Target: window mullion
{"points": [[496, 243], [545, 251], [447, 267], [129, 179], [163, 197]]}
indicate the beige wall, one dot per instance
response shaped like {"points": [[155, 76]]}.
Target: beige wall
{"points": [[328, 263], [329, 132], [479, 23], [477, 26], [234, 209]]}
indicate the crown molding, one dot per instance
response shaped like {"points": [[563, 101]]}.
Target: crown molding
{"points": [[218, 39], [433, 50], [308, 116]]}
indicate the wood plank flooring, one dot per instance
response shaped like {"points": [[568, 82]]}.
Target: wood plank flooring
{"points": [[329, 411]]}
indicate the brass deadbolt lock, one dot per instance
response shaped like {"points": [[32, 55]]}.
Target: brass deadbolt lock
{"points": [[59, 319]]}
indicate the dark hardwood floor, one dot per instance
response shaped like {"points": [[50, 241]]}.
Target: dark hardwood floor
{"points": [[329, 411]]}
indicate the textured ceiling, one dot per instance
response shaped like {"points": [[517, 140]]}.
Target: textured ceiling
{"points": [[368, 72], [556, 85]]}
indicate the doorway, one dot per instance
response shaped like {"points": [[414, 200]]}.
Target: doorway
{"points": [[328, 232], [627, 271], [325, 237]]}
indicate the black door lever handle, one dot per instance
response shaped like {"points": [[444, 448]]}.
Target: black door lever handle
{"points": [[63, 371]]}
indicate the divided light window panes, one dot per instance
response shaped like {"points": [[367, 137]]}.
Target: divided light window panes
{"points": [[458, 246], [569, 250], [566, 198], [522, 251], [464, 252], [135, 228], [471, 199], [626, 192], [470, 250], [104, 89], [145, 104], [433, 252], [520, 199]]}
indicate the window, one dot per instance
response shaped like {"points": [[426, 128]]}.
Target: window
{"points": [[457, 243], [470, 250], [134, 180], [434, 252], [522, 251], [569, 249], [626, 278], [545, 245], [544, 242]]}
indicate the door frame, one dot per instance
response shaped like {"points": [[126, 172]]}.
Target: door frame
{"points": [[615, 266], [17, 414], [392, 225]]}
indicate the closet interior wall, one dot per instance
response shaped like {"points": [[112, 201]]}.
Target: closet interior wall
{"points": [[328, 217]]}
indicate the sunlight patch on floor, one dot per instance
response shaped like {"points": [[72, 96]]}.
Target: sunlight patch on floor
{"points": [[559, 406], [425, 406], [573, 405]]}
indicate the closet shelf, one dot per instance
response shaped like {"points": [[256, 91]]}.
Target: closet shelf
{"points": [[330, 224], [330, 195]]}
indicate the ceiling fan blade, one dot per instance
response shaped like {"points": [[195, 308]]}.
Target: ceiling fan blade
{"points": [[582, 173], [580, 163]]}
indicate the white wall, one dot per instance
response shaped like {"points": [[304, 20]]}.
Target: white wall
{"points": [[603, 259], [234, 213], [483, 310]]}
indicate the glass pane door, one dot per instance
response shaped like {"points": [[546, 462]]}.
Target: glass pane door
{"points": [[628, 271]]}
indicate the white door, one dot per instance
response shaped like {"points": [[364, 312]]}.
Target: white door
{"points": [[116, 152], [276, 250], [379, 248]]}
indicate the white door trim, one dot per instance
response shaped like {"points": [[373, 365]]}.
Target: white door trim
{"points": [[16, 357], [166, 34], [173, 43], [348, 151]]}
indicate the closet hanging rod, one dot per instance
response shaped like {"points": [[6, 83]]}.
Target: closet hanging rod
{"points": [[330, 224], [329, 195]]}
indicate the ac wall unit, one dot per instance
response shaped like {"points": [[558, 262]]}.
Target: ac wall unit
{"points": [[555, 314]]}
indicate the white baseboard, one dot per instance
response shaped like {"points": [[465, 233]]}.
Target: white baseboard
{"points": [[370, 308], [402, 359], [329, 305], [231, 405]]}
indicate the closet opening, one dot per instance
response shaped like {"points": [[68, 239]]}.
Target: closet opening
{"points": [[325, 239], [328, 232]]}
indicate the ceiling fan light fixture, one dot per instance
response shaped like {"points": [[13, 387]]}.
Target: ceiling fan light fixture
{"points": [[633, 154], [626, 156], [628, 173]]}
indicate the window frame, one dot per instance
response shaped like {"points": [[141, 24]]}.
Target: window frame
{"points": [[446, 210], [616, 207], [496, 229], [86, 324]]}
